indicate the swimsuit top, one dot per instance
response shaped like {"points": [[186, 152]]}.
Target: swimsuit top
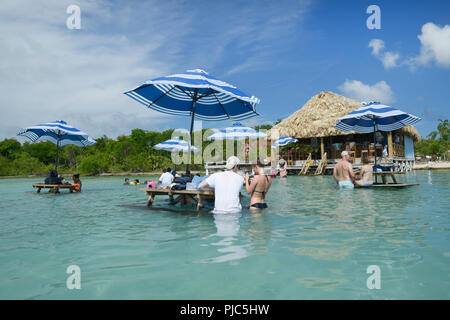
{"points": [[262, 192]]}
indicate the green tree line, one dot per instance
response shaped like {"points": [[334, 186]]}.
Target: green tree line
{"points": [[135, 153], [132, 153], [436, 144]]}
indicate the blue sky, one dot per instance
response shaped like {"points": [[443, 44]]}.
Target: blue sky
{"points": [[283, 52]]}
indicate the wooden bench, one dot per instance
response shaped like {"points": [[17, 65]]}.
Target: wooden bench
{"points": [[53, 187], [384, 176], [385, 182], [183, 196]]}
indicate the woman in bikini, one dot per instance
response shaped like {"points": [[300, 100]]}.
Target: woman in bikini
{"points": [[366, 173], [258, 187]]}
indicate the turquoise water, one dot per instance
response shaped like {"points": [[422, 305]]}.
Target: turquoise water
{"points": [[313, 242]]}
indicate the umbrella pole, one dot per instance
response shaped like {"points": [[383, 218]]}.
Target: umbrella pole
{"points": [[56, 160], [194, 100], [374, 141]]}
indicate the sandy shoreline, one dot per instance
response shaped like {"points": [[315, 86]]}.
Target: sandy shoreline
{"points": [[432, 165]]}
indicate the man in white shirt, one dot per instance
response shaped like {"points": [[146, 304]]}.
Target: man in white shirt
{"points": [[166, 178], [227, 186]]}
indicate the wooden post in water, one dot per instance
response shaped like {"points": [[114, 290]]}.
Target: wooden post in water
{"points": [[322, 148], [390, 145]]}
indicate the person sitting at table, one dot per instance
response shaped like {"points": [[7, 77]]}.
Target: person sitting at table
{"points": [[258, 187], [151, 184], [366, 174], [76, 182], [52, 178], [166, 178], [227, 186]]}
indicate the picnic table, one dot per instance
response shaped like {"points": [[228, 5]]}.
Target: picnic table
{"points": [[384, 175], [54, 187], [183, 196]]}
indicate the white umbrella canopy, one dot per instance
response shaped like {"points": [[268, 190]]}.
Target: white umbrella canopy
{"points": [[237, 132]]}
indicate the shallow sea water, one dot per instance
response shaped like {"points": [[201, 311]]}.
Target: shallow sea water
{"points": [[313, 242]]}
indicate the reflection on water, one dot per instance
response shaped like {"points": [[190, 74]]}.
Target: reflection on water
{"points": [[226, 239]]}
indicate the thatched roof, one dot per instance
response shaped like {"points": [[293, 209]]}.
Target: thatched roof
{"points": [[319, 115]]}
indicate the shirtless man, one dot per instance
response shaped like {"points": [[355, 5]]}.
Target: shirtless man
{"points": [[343, 172]]}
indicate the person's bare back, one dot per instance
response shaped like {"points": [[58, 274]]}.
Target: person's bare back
{"points": [[343, 172]]}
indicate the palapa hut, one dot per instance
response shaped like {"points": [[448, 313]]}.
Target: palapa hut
{"points": [[313, 126]]}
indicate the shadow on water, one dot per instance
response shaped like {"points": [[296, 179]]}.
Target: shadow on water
{"points": [[181, 211]]}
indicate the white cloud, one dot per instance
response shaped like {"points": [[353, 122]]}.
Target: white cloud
{"points": [[435, 45], [50, 72], [355, 89], [388, 58], [377, 46]]}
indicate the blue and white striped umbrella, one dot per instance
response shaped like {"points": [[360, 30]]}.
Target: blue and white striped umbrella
{"points": [[195, 93], [237, 132], [175, 145], [58, 132], [374, 117], [282, 141]]}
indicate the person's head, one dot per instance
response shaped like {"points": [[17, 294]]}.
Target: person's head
{"points": [[233, 163], [136, 180], [365, 160], [169, 170], [76, 177], [258, 167], [345, 155], [188, 172], [282, 162], [127, 180]]}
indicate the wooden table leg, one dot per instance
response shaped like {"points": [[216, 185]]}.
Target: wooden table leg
{"points": [[177, 199], [393, 179], [199, 203], [150, 199]]}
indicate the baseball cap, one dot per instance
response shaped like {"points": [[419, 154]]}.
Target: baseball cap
{"points": [[231, 162]]}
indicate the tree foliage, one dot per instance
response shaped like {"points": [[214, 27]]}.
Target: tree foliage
{"points": [[437, 143]]}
